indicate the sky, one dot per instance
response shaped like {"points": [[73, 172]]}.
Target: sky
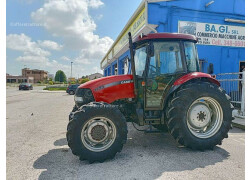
{"points": [[50, 34]]}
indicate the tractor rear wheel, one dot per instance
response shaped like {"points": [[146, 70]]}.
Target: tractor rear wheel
{"points": [[199, 115], [97, 132]]}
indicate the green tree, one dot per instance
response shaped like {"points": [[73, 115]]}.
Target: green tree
{"points": [[84, 80], [60, 76]]}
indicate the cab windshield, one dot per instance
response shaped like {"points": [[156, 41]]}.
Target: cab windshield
{"points": [[167, 58]]}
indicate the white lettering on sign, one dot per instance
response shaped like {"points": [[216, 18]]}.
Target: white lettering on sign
{"points": [[214, 34]]}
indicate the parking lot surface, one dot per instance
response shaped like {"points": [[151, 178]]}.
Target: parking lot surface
{"points": [[37, 147]]}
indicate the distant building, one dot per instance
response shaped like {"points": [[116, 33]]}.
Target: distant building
{"points": [[18, 79], [94, 76], [38, 75]]}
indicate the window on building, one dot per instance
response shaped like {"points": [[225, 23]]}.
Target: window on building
{"points": [[109, 71], [105, 72], [114, 69], [126, 64]]}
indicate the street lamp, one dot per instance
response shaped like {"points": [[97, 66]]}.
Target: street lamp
{"points": [[71, 69]]}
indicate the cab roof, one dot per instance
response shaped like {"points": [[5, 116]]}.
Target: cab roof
{"points": [[166, 36]]}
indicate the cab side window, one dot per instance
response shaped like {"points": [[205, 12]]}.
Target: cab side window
{"points": [[191, 56], [167, 59]]}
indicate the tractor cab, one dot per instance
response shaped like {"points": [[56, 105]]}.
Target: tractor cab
{"points": [[159, 61]]}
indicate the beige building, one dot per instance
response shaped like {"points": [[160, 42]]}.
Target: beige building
{"points": [[94, 76], [38, 75], [18, 79]]}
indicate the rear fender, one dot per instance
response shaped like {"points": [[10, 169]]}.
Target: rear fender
{"points": [[197, 76]]}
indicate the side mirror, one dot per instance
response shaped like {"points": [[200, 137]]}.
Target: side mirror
{"points": [[150, 50], [210, 69]]}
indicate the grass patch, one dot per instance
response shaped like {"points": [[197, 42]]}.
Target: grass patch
{"points": [[55, 88]]}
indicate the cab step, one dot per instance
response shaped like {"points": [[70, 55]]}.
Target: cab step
{"points": [[152, 121]]}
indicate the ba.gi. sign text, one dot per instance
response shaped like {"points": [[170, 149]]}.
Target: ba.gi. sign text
{"points": [[214, 34]]}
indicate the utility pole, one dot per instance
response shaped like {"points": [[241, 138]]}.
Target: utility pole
{"points": [[71, 68]]}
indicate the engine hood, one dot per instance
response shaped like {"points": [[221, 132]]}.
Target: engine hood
{"points": [[111, 88]]}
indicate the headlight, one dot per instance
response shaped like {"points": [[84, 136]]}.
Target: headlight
{"points": [[78, 99], [83, 96]]}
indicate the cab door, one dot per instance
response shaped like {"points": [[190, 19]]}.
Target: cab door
{"points": [[163, 68]]}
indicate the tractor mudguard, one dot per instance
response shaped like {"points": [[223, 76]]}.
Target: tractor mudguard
{"points": [[111, 88], [185, 79], [195, 75]]}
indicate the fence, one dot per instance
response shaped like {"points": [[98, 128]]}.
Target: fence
{"points": [[234, 85]]}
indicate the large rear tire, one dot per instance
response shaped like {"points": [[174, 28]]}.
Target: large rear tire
{"points": [[199, 115], [97, 132]]}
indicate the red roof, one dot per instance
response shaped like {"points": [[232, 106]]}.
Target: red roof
{"points": [[167, 36]]}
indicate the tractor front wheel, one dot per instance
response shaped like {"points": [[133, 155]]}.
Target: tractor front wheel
{"points": [[97, 132], [199, 115]]}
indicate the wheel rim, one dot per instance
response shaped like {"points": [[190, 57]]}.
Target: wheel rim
{"points": [[98, 134], [204, 117]]}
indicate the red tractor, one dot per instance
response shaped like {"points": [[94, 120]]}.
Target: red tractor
{"points": [[163, 88]]}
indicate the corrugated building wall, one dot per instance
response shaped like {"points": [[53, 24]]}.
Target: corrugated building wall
{"points": [[219, 26]]}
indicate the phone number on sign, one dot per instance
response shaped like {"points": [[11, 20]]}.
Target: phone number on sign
{"points": [[228, 43]]}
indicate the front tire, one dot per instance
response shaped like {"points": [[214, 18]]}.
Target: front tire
{"points": [[75, 108], [97, 132], [199, 115]]}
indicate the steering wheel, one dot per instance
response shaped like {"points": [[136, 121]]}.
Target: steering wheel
{"points": [[152, 85], [152, 71]]}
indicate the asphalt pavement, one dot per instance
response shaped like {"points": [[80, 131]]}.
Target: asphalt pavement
{"points": [[37, 147]]}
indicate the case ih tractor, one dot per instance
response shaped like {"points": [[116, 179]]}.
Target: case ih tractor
{"points": [[163, 88]]}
